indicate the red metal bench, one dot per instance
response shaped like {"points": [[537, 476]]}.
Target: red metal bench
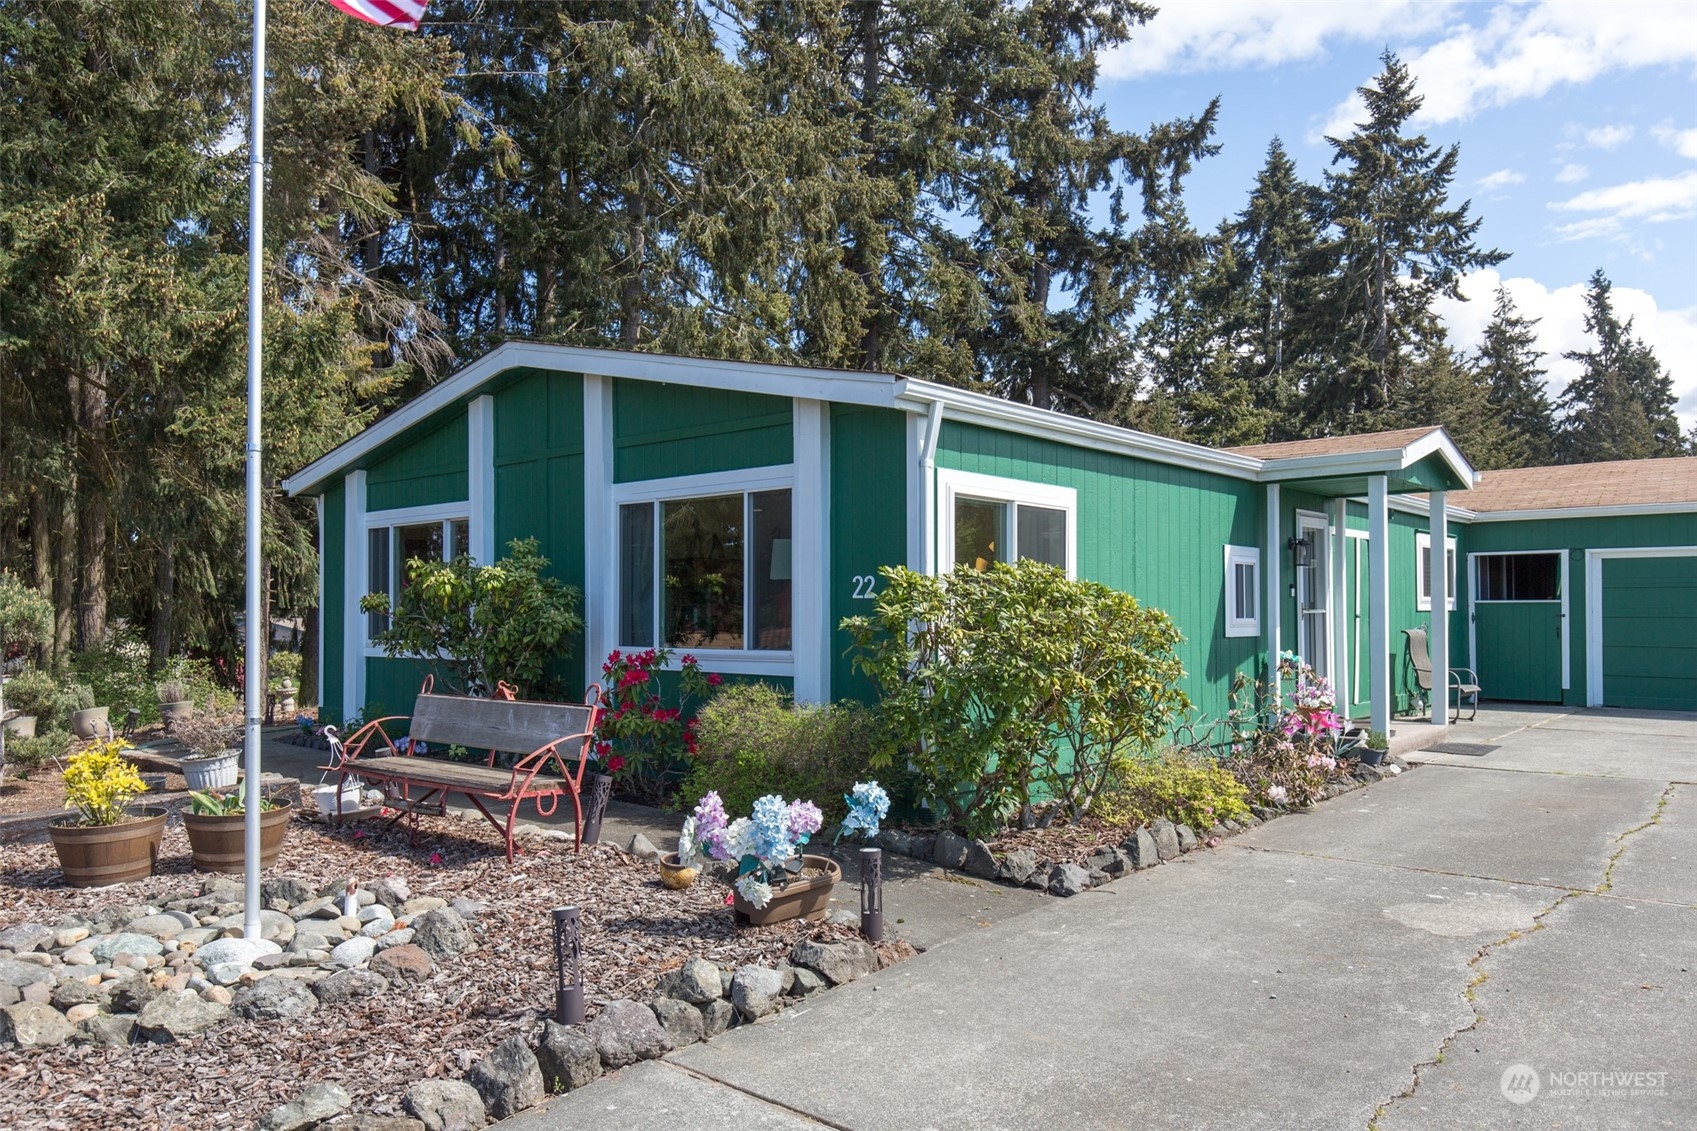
{"points": [[546, 735]]}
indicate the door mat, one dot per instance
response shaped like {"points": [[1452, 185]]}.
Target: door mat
{"points": [[1471, 749]]}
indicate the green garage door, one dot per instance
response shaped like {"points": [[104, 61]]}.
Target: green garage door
{"points": [[1650, 633]]}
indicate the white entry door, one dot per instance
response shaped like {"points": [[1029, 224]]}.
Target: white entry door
{"points": [[1313, 594]]}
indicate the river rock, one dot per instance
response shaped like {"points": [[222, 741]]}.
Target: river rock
{"points": [[241, 952], [158, 926], [124, 942]]}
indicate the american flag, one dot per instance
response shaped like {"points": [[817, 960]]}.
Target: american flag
{"points": [[403, 14]]}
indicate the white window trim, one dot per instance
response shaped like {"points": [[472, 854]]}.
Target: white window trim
{"points": [[1422, 560], [444, 513], [1249, 556], [745, 481], [995, 489]]}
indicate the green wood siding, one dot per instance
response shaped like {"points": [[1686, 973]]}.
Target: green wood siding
{"points": [[1649, 623], [661, 431], [429, 468], [1519, 650], [868, 520], [391, 685], [1152, 530], [539, 485], [333, 540]]}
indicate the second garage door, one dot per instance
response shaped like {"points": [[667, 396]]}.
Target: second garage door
{"points": [[1649, 622]]}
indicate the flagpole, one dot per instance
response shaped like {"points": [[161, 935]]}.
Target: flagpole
{"points": [[257, 631]]}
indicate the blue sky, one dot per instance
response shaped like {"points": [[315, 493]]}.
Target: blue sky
{"points": [[1577, 124]]}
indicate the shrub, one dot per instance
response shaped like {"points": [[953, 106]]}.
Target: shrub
{"points": [[170, 691], [1185, 788], [642, 741], [209, 734], [1289, 772], [34, 692], [99, 783], [29, 754], [1012, 690], [286, 665], [117, 674], [26, 614], [76, 697], [753, 741]]}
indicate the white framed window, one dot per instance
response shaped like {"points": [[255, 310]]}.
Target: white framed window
{"points": [[983, 519], [1243, 591], [395, 537], [1423, 571], [705, 564]]}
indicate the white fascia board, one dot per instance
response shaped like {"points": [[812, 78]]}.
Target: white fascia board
{"points": [[1006, 416], [839, 386], [1409, 504], [1439, 441], [1381, 461], [1611, 511]]}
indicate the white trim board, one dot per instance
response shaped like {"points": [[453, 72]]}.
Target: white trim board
{"points": [[1619, 511], [952, 484], [1473, 604], [1594, 607]]}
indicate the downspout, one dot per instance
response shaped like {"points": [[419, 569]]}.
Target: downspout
{"points": [[928, 483]]}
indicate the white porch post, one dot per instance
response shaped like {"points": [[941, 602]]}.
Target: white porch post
{"points": [[1440, 634], [480, 479], [1378, 604], [600, 528], [1339, 521], [356, 573], [1275, 586]]}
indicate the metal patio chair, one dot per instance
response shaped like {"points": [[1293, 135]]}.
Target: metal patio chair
{"points": [[1421, 661]]}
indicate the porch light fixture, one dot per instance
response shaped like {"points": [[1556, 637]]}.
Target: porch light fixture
{"points": [[872, 894], [1302, 551], [568, 966]]}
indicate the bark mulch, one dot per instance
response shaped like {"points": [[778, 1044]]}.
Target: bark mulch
{"points": [[634, 931]]}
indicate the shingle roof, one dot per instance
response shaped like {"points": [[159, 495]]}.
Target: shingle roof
{"points": [[1337, 445], [1628, 482]]}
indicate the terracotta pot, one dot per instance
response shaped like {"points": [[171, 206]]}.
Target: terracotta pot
{"points": [[799, 899], [93, 856], [219, 842], [21, 725], [214, 771], [674, 875], [91, 723]]}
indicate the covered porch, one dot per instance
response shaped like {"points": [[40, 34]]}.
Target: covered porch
{"points": [[1333, 573]]}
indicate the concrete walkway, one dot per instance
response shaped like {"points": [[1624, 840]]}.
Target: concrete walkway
{"points": [[1381, 961]]}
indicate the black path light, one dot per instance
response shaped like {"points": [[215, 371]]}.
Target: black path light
{"points": [[568, 966], [872, 894]]}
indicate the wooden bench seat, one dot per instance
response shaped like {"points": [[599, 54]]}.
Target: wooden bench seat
{"points": [[544, 737]]}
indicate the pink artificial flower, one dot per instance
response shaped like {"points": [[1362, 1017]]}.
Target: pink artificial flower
{"points": [[436, 859]]}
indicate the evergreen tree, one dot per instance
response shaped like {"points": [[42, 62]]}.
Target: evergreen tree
{"points": [[1621, 405], [1440, 388], [1395, 244], [1508, 363]]}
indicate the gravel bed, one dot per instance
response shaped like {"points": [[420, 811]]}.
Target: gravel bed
{"points": [[634, 931]]}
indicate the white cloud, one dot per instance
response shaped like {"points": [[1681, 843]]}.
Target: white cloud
{"points": [[1572, 174], [1502, 178], [1653, 201], [1682, 142], [1218, 35], [1608, 137], [1672, 334]]}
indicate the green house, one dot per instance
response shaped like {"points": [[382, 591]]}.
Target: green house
{"points": [[739, 511]]}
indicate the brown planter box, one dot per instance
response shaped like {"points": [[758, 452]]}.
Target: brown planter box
{"points": [[219, 842], [93, 856], [798, 899]]}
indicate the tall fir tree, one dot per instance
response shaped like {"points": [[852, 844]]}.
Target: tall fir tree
{"points": [[1621, 405], [1395, 243], [1508, 362]]}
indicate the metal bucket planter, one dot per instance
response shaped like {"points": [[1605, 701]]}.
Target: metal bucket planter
{"points": [[91, 723], [213, 771], [806, 898], [173, 713], [23, 726], [219, 842], [94, 856]]}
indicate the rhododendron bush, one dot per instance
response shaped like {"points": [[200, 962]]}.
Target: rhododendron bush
{"points": [[644, 738]]}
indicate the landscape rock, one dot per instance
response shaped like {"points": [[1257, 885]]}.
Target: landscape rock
{"points": [[949, 850], [567, 1057], [74, 992], [980, 861], [274, 926], [642, 848], [1187, 841], [77, 1014], [124, 942], [316, 1103], [836, 962], [446, 1105], [275, 999], [755, 991], [240, 952], [1017, 866], [419, 904], [696, 982], [400, 937], [1068, 879], [508, 1078], [392, 892], [401, 964], [350, 985], [442, 933], [107, 1030], [680, 1019], [1140, 846], [38, 992], [285, 892], [157, 926], [1166, 838], [177, 1015], [468, 908], [33, 1025], [626, 1032], [807, 982], [26, 937], [129, 995], [70, 936], [716, 1017], [353, 952]]}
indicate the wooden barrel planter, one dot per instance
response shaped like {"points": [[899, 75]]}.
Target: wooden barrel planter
{"points": [[93, 856], [219, 842], [807, 898]]}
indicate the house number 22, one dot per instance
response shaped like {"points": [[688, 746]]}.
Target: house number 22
{"points": [[864, 583]]}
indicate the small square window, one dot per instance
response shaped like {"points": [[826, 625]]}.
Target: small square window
{"points": [[1423, 571], [1243, 591]]}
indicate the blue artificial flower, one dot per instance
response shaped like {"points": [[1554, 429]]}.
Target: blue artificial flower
{"points": [[868, 805], [770, 830]]}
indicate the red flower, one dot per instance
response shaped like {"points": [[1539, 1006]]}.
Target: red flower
{"points": [[603, 748], [436, 858], [615, 764], [714, 679], [689, 661]]}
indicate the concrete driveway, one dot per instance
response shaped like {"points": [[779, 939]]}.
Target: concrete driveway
{"points": [[1478, 943]]}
